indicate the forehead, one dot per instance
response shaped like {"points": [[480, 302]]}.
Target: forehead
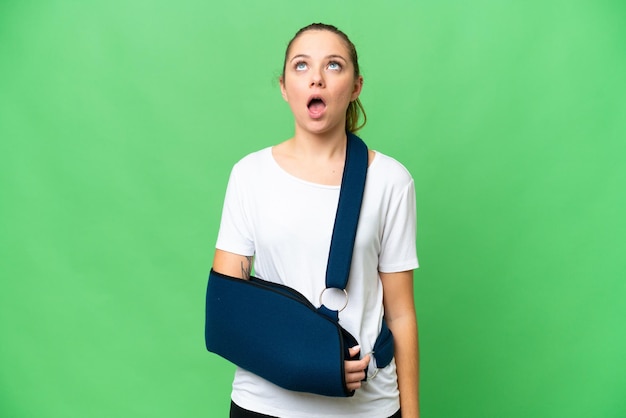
{"points": [[319, 42]]}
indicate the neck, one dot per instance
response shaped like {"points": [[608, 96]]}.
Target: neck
{"points": [[326, 145]]}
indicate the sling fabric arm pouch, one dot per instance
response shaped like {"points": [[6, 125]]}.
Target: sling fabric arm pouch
{"points": [[283, 339]]}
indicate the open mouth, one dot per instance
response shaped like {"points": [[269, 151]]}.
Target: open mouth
{"points": [[316, 106]]}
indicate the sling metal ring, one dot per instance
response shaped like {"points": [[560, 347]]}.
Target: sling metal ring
{"points": [[334, 299], [370, 377]]}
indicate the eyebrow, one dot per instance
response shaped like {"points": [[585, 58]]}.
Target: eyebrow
{"points": [[335, 56]]}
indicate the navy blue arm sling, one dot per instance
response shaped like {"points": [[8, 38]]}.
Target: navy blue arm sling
{"points": [[274, 332]]}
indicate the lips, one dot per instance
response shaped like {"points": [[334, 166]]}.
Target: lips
{"points": [[316, 106]]}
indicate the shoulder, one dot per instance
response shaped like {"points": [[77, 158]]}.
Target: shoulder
{"points": [[389, 170], [254, 162], [255, 158]]}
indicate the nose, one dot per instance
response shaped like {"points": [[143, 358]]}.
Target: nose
{"points": [[317, 80]]}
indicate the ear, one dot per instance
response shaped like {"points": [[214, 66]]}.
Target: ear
{"points": [[283, 91], [358, 86]]}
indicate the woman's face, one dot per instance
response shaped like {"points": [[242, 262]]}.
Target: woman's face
{"points": [[319, 81]]}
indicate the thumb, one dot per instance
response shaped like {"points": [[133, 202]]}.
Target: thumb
{"points": [[354, 351]]}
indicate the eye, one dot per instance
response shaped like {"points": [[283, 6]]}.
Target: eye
{"points": [[334, 65], [300, 66]]}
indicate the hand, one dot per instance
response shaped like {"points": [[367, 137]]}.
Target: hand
{"points": [[355, 369]]}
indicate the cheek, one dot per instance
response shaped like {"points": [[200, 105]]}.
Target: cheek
{"points": [[291, 92], [347, 89]]}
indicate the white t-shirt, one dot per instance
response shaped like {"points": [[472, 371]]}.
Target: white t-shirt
{"points": [[287, 223]]}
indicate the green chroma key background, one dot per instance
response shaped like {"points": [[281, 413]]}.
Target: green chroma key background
{"points": [[120, 121]]}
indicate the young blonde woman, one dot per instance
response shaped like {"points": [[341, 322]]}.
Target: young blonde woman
{"points": [[278, 217]]}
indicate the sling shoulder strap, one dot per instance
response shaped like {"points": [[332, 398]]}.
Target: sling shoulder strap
{"points": [[348, 210]]}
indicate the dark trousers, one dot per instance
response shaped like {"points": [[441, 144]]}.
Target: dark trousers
{"points": [[238, 412]]}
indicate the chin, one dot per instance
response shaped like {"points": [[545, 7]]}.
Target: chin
{"points": [[319, 127]]}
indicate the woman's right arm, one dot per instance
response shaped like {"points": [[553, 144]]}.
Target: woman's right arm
{"points": [[240, 266], [231, 264]]}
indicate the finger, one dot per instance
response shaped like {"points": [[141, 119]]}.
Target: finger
{"points": [[354, 385], [355, 377], [354, 380], [357, 365], [354, 351], [354, 366]]}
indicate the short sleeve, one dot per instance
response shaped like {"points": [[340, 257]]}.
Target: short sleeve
{"points": [[398, 250], [235, 234]]}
